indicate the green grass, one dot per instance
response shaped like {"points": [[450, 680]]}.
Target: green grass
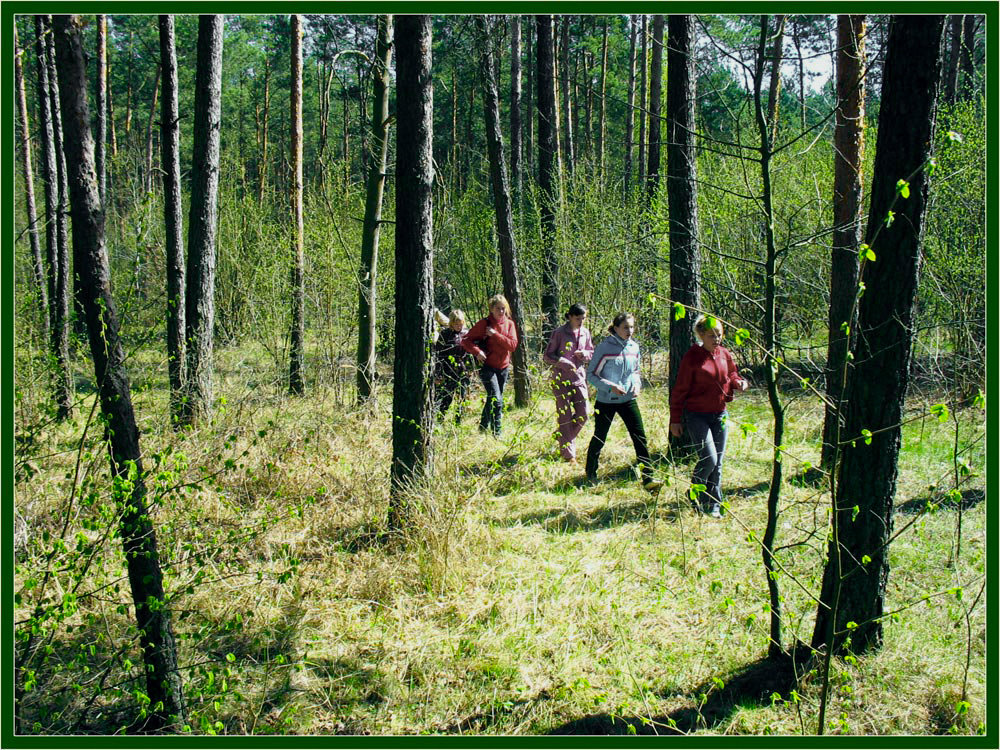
{"points": [[519, 601]]}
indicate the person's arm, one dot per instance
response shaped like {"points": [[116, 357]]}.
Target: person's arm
{"points": [[736, 383], [553, 352], [475, 333], [585, 351]]}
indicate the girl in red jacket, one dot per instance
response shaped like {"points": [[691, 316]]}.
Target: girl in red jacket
{"points": [[706, 382], [491, 341]]}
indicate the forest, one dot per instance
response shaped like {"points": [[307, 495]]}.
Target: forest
{"points": [[241, 502]]}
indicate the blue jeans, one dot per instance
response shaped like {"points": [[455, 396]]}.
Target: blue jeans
{"points": [[708, 435], [493, 381]]}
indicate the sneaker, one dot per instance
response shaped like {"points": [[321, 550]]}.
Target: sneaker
{"points": [[652, 485], [715, 512]]}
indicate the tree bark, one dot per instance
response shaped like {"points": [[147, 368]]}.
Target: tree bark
{"points": [[371, 229], [771, 342], [504, 213], [682, 184], [568, 152], [967, 81], [163, 680], [643, 67], [263, 134], [56, 238], [412, 392], [170, 146], [547, 171], [100, 104], [296, 366], [203, 221], [774, 89], [601, 126], [629, 110], [147, 179], [516, 170], [848, 150], [857, 568], [655, 90], [37, 262]]}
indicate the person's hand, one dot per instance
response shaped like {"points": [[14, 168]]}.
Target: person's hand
{"points": [[489, 331], [579, 356], [481, 357], [743, 384], [676, 429], [616, 389]]}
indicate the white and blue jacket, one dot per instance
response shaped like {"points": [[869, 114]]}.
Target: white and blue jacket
{"points": [[615, 362]]}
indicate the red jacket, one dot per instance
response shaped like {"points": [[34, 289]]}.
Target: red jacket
{"points": [[705, 382], [497, 347]]}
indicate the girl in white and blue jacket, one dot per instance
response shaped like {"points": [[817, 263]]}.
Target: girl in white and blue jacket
{"points": [[614, 372]]}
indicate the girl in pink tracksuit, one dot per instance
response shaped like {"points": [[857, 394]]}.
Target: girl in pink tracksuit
{"points": [[569, 351]]}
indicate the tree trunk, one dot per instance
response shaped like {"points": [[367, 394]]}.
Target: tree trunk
{"points": [[50, 179], [100, 104], [649, 318], [367, 276], [774, 90], [203, 221], [37, 262], [529, 147], [170, 145], [413, 367], [516, 169], [848, 149], [163, 680], [951, 72], [547, 174], [857, 568], [771, 343], [296, 365], [682, 184], [504, 213], [147, 180], [643, 67], [263, 137], [629, 109], [967, 82], [604, 110], [112, 138], [655, 89], [568, 152], [60, 283]]}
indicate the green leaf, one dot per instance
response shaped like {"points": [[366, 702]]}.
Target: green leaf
{"points": [[741, 335], [890, 217], [652, 299], [865, 251], [855, 511], [980, 401], [931, 166], [851, 625], [845, 328], [748, 428], [955, 137], [962, 707], [865, 559], [711, 322], [940, 411], [696, 490], [867, 435], [679, 311], [903, 189]]}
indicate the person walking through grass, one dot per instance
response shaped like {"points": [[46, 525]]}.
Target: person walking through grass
{"points": [[569, 351], [491, 341], [614, 372], [706, 381], [451, 364]]}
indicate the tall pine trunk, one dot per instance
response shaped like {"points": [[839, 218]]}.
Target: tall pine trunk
{"points": [[568, 152], [372, 227], [24, 144], [296, 365], [629, 109], [147, 173], [412, 390], [547, 171], [170, 145], [516, 138], [56, 209], [682, 184], [643, 70], [163, 680], [100, 104], [848, 149], [202, 224], [857, 568], [504, 213]]}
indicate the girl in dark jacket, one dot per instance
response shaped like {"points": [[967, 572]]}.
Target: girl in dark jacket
{"points": [[491, 341], [706, 381]]}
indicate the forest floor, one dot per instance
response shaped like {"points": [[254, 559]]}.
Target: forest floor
{"points": [[519, 600]]}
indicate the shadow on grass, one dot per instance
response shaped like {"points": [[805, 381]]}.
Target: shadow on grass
{"points": [[710, 706], [480, 722], [970, 499], [745, 492]]}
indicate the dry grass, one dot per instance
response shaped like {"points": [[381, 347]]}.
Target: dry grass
{"points": [[520, 599]]}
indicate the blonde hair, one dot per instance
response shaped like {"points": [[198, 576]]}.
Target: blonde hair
{"points": [[704, 322], [498, 299], [456, 316]]}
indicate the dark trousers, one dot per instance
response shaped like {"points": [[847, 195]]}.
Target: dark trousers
{"points": [[604, 413], [708, 435], [445, 390], [493, 381]]}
